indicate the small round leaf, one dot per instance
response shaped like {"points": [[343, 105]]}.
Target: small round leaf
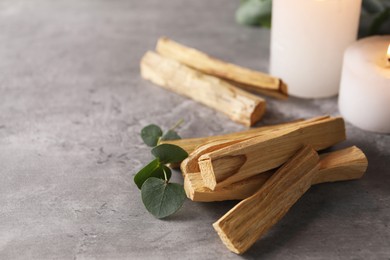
{"points": [[169, 153], [255, 13], [150, 135], [162, 199], [153, 169], [170, 135], [146, 172]]}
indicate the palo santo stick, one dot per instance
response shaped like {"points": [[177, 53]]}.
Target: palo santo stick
{"points": [[261, 91], [196, 191], [190, 164], [237, 104], [254, 80], [346, 164], [244, 224], [190, 144], [265, 152]]}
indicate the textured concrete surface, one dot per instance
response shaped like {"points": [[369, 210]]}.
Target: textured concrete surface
{"points": [[72, 104]]}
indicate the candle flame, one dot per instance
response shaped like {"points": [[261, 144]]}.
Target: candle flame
{"points": [[388, 56], [388, 52]]}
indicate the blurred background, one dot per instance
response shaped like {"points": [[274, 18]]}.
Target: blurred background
{"points": [[374, 19]]}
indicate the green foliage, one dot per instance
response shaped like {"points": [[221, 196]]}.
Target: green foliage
{"points": [[170, 135], [153, 169], [151, 135], [374, 19], [169, 153], [255, 13], [161, 197]]}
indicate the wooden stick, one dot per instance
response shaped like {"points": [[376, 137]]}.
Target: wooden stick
{"points": [[190, 164], [346, 164], [244, 224], [242, 160], [271, 93], [196, 191], [254, 80], [190, 144], [237, 104]]}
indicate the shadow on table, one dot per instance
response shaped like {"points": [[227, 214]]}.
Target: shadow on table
{"points": [[345, 201], [293, 223], [349, 201]]}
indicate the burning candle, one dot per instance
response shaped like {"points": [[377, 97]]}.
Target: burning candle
{"points": [[388, 56], [308, 40], [365, 84]]}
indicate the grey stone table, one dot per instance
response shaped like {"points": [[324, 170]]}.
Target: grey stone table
{"points": [[72, 104]]}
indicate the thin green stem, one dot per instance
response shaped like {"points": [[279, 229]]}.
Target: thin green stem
{"points": [[158, 140], [177, 124], [165, 175]]}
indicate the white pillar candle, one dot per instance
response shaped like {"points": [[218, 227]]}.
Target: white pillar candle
{"points": [[364, 98], [308, 39]]}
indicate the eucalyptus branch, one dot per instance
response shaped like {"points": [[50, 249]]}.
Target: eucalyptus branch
{"points": [[161, 197]]}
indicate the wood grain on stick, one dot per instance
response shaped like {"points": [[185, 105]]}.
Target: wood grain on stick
{"points": [[213, 143], [282, 94], [342, 165], [250, 79], [190, 144], [239, 105], [346, 164], [244, 224], [196, 191], [244, 159], [190, 164]]}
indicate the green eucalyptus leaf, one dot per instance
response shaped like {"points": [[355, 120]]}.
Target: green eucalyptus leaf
{"points": [[374, 23], [152, 168], [169, 153], [374, 18], [159, 173], [162, 199], [146, 172], [151, 134], [378, 22], [170, 135], [373, 6], [255, 13]]}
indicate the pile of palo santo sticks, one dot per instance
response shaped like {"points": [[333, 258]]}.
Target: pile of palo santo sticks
{"points": [[220, 85], [269, 169]]}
